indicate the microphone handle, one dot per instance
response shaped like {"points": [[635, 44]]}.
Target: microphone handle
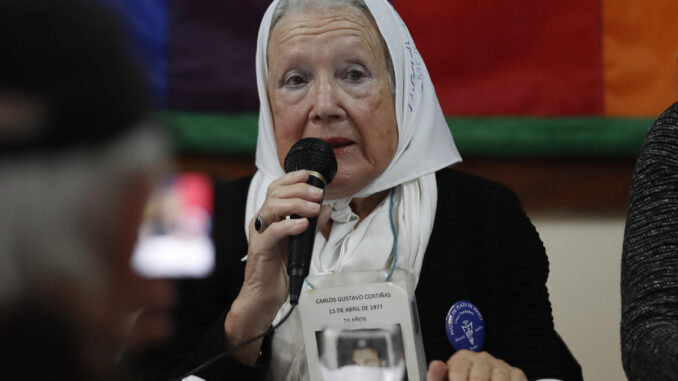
{"points": [[300, 251]]}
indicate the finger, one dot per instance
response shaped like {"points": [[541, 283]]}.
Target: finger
{"points": [[459, 365], [300, 199], [501, 373], [272, 215], [324, 216], [291, 178], [297, 190], [280, 208], [481, 370], [437, 371], [517, 375], [269, 239]]}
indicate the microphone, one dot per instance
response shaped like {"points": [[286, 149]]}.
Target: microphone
{"points": [[317, 158]]}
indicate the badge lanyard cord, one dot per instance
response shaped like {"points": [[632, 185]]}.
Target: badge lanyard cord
{"points": [[273, 328], [395, 236]]}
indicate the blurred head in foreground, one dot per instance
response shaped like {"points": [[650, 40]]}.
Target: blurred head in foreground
{"points": [[78, 157]]}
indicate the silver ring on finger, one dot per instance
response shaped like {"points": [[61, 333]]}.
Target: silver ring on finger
{"points": [[259, 224]]}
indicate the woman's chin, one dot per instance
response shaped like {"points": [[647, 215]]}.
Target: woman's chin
{"points": [[342, 186], [335, 194]]}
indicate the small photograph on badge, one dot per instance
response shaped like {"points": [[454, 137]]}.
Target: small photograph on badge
{"points": [[373, 352]]}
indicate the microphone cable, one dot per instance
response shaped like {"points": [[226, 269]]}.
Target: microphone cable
{"points": [[229, 352]]}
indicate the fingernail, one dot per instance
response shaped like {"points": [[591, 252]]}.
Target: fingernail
{"points": [[316, 191]]}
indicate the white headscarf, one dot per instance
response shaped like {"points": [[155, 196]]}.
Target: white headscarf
{"points": [[425, 145]]}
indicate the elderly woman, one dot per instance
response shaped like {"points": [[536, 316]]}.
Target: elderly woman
{"points": [[348, 72]]}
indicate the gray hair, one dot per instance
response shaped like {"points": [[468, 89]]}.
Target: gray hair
{"points": [[285, 6], [55, 206]]}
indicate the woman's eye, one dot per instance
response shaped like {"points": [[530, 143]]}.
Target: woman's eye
{"points": [[355, 75], [294, 80]]}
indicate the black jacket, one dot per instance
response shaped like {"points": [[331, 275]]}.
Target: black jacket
{"points": [[649, 271]]}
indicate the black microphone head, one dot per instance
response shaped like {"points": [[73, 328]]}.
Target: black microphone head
{"points": [[314, 155]]}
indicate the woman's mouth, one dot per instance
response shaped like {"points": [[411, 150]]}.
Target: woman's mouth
{"points": [[339, 145]]}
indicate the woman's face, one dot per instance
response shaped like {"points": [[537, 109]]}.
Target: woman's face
{"points": [[328, 79]]}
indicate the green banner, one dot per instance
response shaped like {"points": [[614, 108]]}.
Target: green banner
{"points": [[236, 134]]}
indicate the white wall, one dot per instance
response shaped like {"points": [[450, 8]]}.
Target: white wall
{"points": [[585, 260]]}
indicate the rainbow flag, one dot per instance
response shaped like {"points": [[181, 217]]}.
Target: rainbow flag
{"points": [[534, 77]]}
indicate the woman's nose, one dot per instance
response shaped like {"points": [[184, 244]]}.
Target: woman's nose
{"points": [[326, 106]]}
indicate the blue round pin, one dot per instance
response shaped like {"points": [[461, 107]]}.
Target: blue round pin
{"points": [[464, 326]]}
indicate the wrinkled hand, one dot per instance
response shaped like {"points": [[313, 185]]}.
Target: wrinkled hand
{"points": [[266, 283], [466, 365]]}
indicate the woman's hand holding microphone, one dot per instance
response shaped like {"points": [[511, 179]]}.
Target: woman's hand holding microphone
{"points": [[266, 284]]}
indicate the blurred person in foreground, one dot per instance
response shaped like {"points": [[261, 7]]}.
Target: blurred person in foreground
{"points": [[649, 274], [348, 72], [78, 157]]}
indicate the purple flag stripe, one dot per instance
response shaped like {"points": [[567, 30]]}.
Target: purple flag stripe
{"points": [[146, 25], [212, 48]]}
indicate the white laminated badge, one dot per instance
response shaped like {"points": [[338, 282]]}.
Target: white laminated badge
{"points": [[358, 327]]}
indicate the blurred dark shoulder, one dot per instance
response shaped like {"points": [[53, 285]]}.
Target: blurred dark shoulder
{"points": [[460, 187], [43, 343]]}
